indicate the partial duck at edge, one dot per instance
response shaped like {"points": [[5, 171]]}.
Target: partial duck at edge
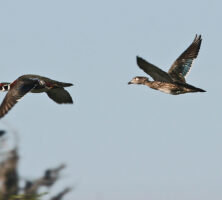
{"points": [[34, 84]]}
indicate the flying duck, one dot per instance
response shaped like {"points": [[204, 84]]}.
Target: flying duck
{"points": [[174, 81], [34, 84]]}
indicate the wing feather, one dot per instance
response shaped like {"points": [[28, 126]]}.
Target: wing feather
{"points": [[183, 63], [156, 73], [59, 95], [19, 89]]}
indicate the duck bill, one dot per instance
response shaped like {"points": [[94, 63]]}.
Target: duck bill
{"points": [[130, 83]]}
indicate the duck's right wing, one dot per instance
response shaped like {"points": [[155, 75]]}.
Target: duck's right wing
{"points": [[156, 73], [18, 89], [181, 67]]}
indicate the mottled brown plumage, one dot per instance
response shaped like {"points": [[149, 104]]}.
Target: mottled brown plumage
{"points": [[183, 63], [174, 81]]}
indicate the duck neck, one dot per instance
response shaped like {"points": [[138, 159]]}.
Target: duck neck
{"points": [[147, 83]]}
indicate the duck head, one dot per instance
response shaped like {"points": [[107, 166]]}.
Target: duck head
{"points": [[139, 80], [4, 86]]}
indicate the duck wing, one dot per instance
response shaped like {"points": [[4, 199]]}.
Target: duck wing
{"points": [[183, 63], [156, 73], [59, 95], [17, 90]]}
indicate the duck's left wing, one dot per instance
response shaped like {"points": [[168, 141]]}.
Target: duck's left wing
{"points": [[18, 89], [182, 65], [156, 73]]}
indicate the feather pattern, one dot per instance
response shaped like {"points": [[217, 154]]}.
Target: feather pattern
{"points": [[183, 63], [18, 89]]}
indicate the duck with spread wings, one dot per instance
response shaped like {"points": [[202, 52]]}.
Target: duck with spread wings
{"points": [[174, 81]]}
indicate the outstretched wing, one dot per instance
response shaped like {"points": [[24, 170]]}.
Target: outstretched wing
{"points": [[59, 95], [182, 65], [18, 89], [156, 73]]}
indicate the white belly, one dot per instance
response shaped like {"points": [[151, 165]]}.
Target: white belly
{"points": [[165, 90]]}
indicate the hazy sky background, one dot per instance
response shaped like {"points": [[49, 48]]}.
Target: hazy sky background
{"points": [[120, 142]]}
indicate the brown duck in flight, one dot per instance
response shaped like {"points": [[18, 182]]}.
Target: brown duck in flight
{"points": [[35, 84], [174, 81]]}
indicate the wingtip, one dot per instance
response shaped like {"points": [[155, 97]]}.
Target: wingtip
{"points": [[198, 37], [138, 59], [68, 101]]}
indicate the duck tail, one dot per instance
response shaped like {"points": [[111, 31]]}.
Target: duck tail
{"points": [[67, 84], [195, 89], [191, 88], [200, 90], [61, 84]]}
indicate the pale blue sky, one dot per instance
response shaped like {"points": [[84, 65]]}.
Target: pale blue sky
{"points": [[120, 142]]}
